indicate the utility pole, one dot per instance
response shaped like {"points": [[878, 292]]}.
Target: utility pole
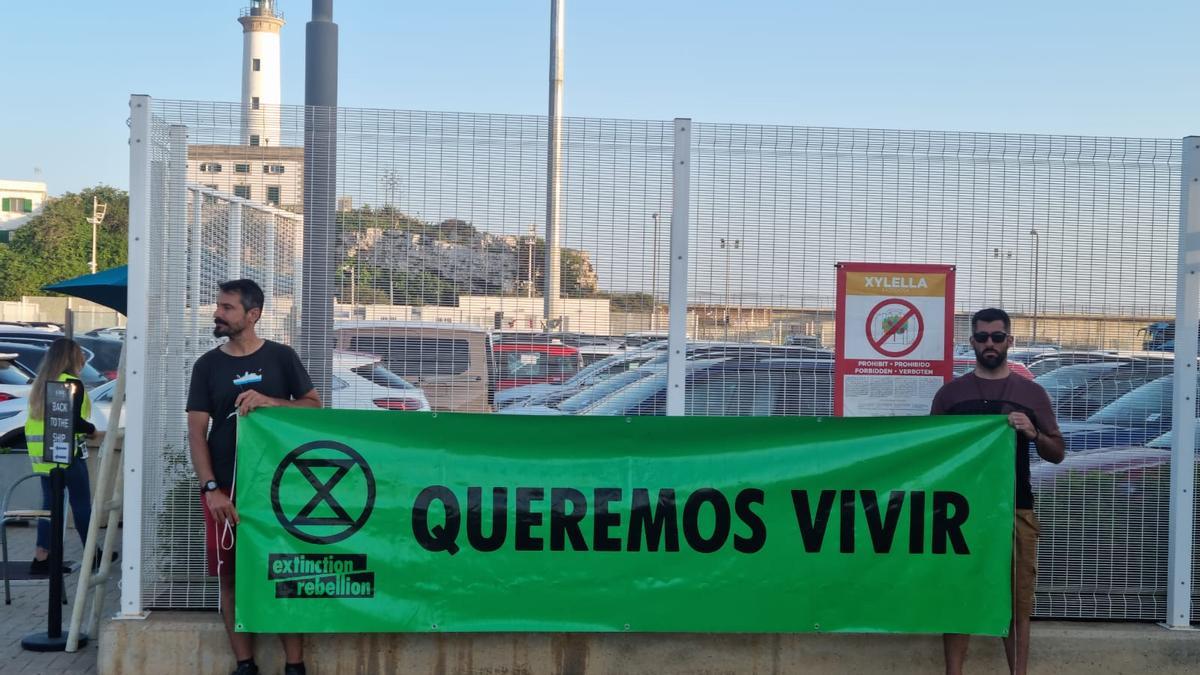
{"points": [[728, 245], [1036, 239], [391, 180], [553, 305], [1001, 255], [320, 195], [99, 210], [529, 259], [654, 276]]}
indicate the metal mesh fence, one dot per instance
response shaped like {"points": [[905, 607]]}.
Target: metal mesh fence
{"points": [[439, 257], [1076, 237]]}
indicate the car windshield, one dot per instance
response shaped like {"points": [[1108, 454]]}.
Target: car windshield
{"points": [[598, 391], [638, 391], [376, 373], [1069, 378], [621, 400], [1150, 402], [524, 364], [610, 366], [11, 373]]}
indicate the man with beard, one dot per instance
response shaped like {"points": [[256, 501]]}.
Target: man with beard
{"points": [[236, 378], [994, 390]]}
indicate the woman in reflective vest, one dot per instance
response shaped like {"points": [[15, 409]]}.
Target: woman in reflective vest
{"points": [[62, 363]]}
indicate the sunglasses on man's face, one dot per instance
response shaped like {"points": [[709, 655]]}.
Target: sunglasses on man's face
{"points": [[997, 337]]}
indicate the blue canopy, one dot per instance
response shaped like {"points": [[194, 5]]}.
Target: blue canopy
{"points": [[109, 288]]}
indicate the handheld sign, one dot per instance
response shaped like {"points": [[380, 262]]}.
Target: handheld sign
{"points": [[60, 423]]}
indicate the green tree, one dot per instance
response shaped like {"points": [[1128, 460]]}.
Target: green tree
{"points": [[57, 243]]}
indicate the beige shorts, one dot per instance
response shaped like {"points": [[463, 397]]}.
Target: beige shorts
{"points": [[1025, 538]]}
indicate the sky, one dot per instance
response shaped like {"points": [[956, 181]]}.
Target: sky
{"points": [[1086, 68]]}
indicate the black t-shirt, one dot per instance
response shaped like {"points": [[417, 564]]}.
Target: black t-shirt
{"points": [[217, 380]]}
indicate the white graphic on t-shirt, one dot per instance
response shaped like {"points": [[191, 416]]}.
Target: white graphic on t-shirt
{"points": [[248, 378]]}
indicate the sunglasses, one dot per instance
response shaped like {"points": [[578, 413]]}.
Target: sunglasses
{"points": [[996, 336]]}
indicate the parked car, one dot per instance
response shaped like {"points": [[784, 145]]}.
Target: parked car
{"points": [[599, 371], [1104, 509], [102, 401], [732, 387], [114, 333], [1078, 391], [12, 422], [522, 363], [106, 353], [964, 366], [1027, 353], [656, 353], [1132, 419], [362, 382], [642, 338], [449, 362], [15, 379], [29, 355], [575, 400], [1050, 361]]}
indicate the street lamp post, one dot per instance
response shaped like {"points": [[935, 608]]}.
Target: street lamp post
{"points": [[98, 212], [391, 180], [728, 245], [1036, 240], [532, 239], [1001, 255], [654, 276]]}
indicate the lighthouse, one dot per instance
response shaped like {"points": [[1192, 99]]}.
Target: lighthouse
{"points": [[261, 97]]}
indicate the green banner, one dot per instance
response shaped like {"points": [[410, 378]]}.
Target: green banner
{"points": [[356, 521]]}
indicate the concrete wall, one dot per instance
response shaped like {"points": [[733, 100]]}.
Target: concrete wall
{"points": [[586, 315], [88, 315], [1083, 331], [194, 643]]}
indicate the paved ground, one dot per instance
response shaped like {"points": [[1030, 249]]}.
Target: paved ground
{"points": [[27, 614]]}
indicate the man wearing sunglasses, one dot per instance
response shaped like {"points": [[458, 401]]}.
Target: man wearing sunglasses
{"points": [[992, 389]]}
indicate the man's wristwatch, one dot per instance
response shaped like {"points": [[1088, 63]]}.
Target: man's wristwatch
{"points": [[208, 486]]}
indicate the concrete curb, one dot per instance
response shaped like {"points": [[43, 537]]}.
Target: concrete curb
{"points": [[183, 642]]}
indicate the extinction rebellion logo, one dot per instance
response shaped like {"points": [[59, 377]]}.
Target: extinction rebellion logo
{"points": [[322, 493]]}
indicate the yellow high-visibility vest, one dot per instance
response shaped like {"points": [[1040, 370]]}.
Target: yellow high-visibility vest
{"points": [[35, 432]]}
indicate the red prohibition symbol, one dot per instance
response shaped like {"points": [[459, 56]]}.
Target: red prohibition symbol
{"points": [[910, 313]]}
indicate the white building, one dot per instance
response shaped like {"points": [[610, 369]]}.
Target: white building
{"points": [[273, 176], [261, 87], [261, 168], [20, 201]]}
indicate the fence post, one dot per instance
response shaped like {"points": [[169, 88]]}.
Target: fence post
{"points": [[140, 140], [681, 167], [234, 254], [195, 253], [1183, 425], [176, 257]]}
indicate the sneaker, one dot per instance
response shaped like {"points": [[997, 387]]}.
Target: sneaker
{"points": [[41, 568], [294, 669], [246, 669]]}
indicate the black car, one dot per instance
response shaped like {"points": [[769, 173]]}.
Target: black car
{"points": [[30, 355], [1045, 363], [103, 353], [1078, 391], [106, 353], [734, 387], [1133, 419]]}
